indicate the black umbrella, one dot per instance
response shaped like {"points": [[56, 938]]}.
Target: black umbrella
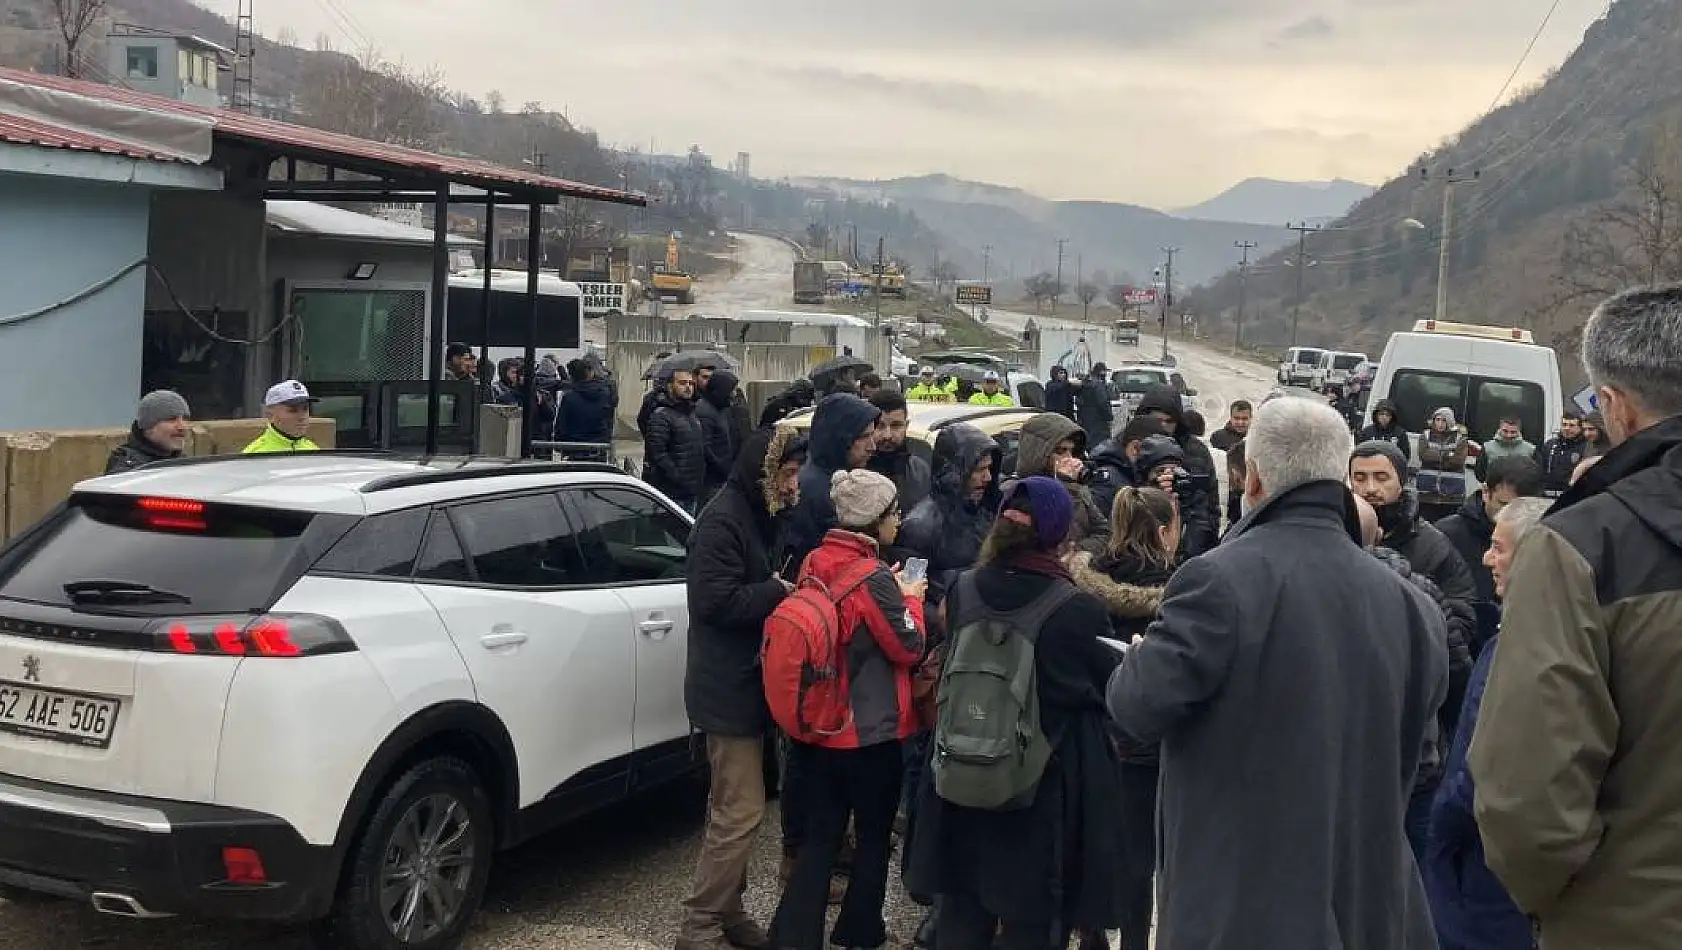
{"points": [[710, 359], [963, 372], [839, 364]]}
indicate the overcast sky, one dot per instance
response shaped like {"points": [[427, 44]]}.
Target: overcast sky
{"points": [[1157, 102]]}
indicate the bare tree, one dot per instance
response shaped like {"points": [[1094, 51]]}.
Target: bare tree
{"points": [[287, 36], [376, 99], [75, 18], [1635, 241], [495, 102], [1087, 293]]}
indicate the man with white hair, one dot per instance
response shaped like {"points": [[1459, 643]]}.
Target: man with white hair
{"points": [[1579, 785], [1290, 679]]}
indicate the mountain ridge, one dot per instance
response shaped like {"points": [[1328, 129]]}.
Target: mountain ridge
{"points": [[1275, 201]]}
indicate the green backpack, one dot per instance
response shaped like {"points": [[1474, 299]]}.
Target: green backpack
{"points": [[989, 749]]}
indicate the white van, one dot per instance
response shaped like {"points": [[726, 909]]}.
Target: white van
{"points": [[1482, 373], [1334, 368], [1299, 364]]}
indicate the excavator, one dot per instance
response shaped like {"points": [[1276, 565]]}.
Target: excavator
{"points": [[668, 281]]}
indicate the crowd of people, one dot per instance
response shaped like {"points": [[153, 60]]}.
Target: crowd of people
{"points": [[1085, 707]]}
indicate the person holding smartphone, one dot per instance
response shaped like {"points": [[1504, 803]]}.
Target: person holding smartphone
{"points": [[733, 586]]}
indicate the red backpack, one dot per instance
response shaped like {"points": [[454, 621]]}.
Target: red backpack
{"points": [[803, 657]]}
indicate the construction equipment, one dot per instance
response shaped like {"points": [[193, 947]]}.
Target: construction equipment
{"points": [[668, 281]]}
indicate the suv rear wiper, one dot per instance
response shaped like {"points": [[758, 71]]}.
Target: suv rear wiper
{"points": [[127, 592]]}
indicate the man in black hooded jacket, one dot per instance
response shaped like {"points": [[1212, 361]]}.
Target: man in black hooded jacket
{"points": [[715, 410], [675, 448], [733, 586], [1060, 393], [1387, 427], [1166, 404], [948, 526], [843, 437], [1092, 405], [800, 394], [893, 456]]}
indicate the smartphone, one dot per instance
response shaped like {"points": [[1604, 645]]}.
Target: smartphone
{"points": [[915, 569]]}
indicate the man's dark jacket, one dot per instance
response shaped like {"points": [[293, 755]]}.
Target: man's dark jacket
{"points": [[1558, 458], [676, 460], [1206, 503], [1093, 410], [947, 528], [838, 422], [910, 474], [714, 409], [1060, 394], [586, 412], [1470, 530], [1295, 832], [1395, 433], [137, 451], [731, 592]]}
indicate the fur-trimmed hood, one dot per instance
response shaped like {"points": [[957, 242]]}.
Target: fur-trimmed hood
{"points": [[783, 441], [1125, 601]]}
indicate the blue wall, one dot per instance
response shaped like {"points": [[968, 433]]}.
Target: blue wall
{"points": [[79, 367]]}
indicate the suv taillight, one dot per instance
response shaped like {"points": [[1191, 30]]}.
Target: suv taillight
{"points": [[280, 636]]}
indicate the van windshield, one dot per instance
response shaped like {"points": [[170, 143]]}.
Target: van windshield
{"points": [[1479, 402]]}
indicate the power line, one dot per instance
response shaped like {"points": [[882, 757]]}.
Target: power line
{"points": [[1523, 58]]}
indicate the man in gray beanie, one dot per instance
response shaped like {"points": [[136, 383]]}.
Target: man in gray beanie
{"points": [[159, 432]]}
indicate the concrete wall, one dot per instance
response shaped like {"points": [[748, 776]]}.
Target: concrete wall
{"points": [[79, 366], [37, 469]]}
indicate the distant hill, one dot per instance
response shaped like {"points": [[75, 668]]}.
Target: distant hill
{"points": [[1579, 194], [1270, 201], [1123, 241]]}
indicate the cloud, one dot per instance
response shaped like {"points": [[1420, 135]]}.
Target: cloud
{"points": [[1158, 102], [1317, 27]]}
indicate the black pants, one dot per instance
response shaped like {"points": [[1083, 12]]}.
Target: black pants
{"points": [[794, 795], [966, 925], [1138, 823], [863, 785]]}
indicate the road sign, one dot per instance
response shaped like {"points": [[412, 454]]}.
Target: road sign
{"points": [[975, 295], [1586, 400], [1140, 296]]}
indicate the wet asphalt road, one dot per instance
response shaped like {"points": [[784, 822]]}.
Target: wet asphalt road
{"points": [[614, 881]]}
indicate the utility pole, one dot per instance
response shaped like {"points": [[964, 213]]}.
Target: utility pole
{"points": [[245, 49], [1303, 230], [1245, 247], [1057, 288], [1080, 285], [1167, 296], [1449, 179], [986, 259], [880, 266]]}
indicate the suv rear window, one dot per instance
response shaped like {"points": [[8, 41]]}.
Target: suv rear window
{"points": [[224, 559], [1346, 362], [1478, 402], [1137, 381]]}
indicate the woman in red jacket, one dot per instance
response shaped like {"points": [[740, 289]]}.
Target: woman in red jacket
{"points": [[855, 774]]}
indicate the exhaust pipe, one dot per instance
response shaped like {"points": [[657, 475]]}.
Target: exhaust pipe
{"points": [[122, 905]]}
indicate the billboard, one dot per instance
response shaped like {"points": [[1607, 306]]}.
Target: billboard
{"points": [[1140, 296], [602, 298], [975, 295]]}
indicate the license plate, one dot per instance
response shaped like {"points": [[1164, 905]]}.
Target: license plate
{"points": [[63, 716]]}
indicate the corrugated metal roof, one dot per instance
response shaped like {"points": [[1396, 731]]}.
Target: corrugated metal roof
{"points": [[22, 131], [317, 145]]}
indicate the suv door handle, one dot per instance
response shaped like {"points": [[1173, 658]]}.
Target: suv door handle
{"points": [[655, 628], [502, 640]]}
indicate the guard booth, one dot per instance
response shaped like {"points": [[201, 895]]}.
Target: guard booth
{"points": [[391, 414]]}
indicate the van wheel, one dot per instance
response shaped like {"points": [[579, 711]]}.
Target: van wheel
{"points": [[418, 870]]}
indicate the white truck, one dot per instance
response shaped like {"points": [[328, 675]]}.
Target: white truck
{"points": [[1076, 350]]}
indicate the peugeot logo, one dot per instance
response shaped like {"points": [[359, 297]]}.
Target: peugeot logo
{"points": [[32, 669]]}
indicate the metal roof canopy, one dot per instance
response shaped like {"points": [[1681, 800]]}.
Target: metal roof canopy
{"points": [[393, 173]]}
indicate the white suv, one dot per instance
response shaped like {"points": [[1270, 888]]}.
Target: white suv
{"points": [[327, 688]]}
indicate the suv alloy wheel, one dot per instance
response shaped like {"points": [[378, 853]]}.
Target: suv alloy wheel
{"points": [[418, 870]]}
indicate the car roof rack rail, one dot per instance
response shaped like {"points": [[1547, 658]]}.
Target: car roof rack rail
{"points": [[473, 467], [190, 460]]}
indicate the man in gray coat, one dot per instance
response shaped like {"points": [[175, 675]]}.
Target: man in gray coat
{"points": [[1290, 680]]}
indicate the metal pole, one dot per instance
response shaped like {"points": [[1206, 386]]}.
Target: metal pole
{"points": [[1080, 288], [1057, 288], [1243, 278], [986, 259], [485, 300], [880, 265], [1302, 265], [1442, 253], [440, 293], [1167, 297], [528, 385]]}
